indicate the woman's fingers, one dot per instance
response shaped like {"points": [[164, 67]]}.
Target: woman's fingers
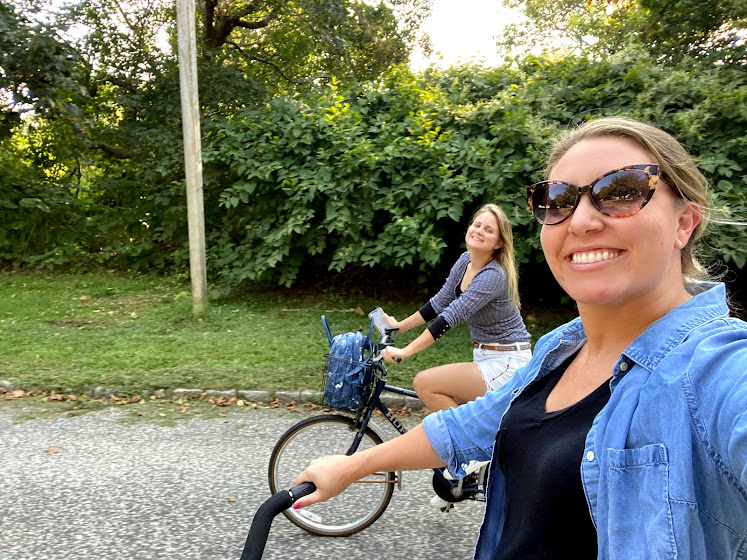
{"points": [[328, 475], [392, 354], [391, 321]]}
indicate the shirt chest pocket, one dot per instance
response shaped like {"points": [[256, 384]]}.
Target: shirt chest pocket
{"points": [[639, 509]]}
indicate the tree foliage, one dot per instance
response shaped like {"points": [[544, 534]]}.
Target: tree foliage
{"points": [[308, 177], [710, 30], [38, 70], [304, 40]]}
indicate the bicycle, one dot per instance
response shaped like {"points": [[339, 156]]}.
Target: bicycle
{"points": [[363, 502]]}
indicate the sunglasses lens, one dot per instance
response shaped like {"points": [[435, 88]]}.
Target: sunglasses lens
{"points": [[621, 193], [553, 201]]}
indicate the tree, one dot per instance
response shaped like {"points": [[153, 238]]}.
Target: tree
{"points": [[38, 70], [712, 30], [305, 40]]}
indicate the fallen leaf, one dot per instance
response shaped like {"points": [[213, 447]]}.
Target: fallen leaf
{"points": [[83, 298], [52, 451], [231, 500], [359, 311]]}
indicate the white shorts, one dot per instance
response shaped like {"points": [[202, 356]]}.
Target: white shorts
{"points": [[497, 367]]}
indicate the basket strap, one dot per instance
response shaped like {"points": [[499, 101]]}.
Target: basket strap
{"points": [[368, 337], [327, 330]]}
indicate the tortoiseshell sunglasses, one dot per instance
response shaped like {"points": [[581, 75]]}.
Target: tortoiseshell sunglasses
{"points": [[618, 193]]}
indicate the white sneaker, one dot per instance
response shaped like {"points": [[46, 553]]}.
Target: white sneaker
{"points": [[439, 503], [475, 466], [472, 467]]}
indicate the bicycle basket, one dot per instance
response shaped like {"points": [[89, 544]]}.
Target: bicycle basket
{"points": [[348, 377]]}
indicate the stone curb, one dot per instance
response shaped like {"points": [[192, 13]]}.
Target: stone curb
{"points": [[305, 395]]}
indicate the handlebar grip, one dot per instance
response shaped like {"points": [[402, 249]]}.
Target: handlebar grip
{"points": [[398, 359], [303, 489]]}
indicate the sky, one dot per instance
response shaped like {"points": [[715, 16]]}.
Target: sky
{"points": [[463, 31]]}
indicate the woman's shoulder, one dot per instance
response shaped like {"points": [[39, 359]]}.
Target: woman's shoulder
{"points": [[463, 259], [491, 270], [719, 344], [458, 268]]}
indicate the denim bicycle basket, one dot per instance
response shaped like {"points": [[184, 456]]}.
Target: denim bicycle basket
{"points": [[348, 377]]}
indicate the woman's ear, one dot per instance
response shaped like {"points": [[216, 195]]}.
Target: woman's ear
{"points": [[689, 219]]}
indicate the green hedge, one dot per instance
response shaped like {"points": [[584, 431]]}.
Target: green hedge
{"points": [[378, 176]]}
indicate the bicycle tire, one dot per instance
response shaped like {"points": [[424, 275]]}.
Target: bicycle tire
{"points": [[361, 504]]}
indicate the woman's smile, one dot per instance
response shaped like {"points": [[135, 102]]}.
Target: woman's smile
{"points": [[590, 257]]}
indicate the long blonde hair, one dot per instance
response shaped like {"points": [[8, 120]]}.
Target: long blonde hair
{"points": [[676, 163], [504, 255]]}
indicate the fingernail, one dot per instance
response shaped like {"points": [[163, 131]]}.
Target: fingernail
{"points": [[296, 506]]}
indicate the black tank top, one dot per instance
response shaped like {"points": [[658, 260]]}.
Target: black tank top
{"points": [[540, 453]]}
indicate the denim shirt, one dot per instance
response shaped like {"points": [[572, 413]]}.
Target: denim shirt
{"points": [[665, 462]]}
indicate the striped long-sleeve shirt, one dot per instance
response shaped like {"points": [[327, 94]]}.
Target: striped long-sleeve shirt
{"points": [[485, 305]]}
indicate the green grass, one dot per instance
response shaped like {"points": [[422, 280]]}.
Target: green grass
{"points": [[72, 333]]}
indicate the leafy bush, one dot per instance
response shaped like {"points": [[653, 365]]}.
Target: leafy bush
{"points": [[354, 178], [383, 176]]}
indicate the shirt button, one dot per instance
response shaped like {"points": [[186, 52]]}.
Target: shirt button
{"points": [[624, 366], [590, 456]]}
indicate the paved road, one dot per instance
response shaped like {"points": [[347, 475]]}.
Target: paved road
{"points": [[146, 492]]}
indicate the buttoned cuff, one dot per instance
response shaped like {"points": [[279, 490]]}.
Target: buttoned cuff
{"points": [[438, 327]]}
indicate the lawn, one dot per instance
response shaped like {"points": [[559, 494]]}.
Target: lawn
{"points": [[137, 334]]}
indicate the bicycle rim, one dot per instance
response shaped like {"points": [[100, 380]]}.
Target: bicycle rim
{"points": [[359, 505]]}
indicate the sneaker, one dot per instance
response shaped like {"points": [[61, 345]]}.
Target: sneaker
{"points": [[471, 467], [439, 503], [475, 466]]}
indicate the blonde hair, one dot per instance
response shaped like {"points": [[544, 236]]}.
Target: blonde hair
{"points": [[677, 165], [504, 255]]}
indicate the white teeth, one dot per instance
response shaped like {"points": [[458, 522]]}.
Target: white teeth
{"points": [[592, 257]]}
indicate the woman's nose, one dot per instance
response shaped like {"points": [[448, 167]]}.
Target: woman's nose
{"points": [[585, 218]]}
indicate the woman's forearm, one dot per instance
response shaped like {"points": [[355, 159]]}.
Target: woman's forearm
{"points": [[408, 452], [414, 320], [420, 343], [331, 475]]}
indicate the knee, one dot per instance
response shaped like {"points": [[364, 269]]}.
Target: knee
{"points": [[420, 383]]}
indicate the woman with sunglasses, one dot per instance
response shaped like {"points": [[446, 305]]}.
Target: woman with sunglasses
{"points": [[482, 291], [626, 434]]}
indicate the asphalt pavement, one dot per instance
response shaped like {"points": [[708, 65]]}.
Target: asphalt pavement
{"points": [[91, 487]]}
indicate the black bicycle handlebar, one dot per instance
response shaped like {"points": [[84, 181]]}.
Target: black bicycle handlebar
{"points": [[254, 546]]}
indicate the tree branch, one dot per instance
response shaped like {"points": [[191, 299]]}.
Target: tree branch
{"points": [[254, 24], [265, 61]]}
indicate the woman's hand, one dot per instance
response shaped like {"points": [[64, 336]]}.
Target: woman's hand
{"points": [[331, 475], [391, 321], [394, 355]]}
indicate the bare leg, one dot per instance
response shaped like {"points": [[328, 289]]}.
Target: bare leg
{"points": [[449, 385]]}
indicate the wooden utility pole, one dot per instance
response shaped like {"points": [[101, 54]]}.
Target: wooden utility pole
{"points": [[185, 24]]}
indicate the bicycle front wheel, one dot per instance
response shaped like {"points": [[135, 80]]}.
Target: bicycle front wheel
{"points": [[359, 505]]}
